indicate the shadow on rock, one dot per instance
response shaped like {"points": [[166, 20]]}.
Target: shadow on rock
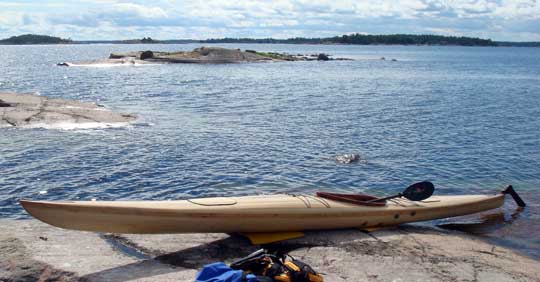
{"points": [[221, 250], [132, 271], [4, 104], [227, 250], [192, 258]]}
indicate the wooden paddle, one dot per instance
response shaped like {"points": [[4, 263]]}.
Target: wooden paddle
{"points": [[417, 192]]}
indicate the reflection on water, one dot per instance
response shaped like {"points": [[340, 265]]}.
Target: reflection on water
{"points": [[486, 223]]}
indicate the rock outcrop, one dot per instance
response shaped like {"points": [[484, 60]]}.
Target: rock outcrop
{"points": [[33, 251], [28, 110], [202, 55], [213, 55], [347, 158], [323, 57], [147, 55]]}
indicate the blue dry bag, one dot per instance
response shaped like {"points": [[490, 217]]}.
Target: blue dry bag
{"points": [[220, 272]]}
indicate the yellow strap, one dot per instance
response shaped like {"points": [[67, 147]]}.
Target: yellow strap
{"points": [[315, 278], [292, 265], [270, 237], [282, 278]]}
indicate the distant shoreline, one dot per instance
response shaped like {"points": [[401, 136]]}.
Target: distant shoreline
{"points": [[353, 39], [170, 42]]}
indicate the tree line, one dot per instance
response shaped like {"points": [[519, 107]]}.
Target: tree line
{"points": [[366, 39], [356, 38]]}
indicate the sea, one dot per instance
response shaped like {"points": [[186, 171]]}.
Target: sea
{"points": [[465, 118]]}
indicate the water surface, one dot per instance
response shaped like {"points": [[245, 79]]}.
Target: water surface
{"points": [[465, 118]]}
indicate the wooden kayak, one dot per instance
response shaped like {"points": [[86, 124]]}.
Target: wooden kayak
{"points": [[265, 213]]}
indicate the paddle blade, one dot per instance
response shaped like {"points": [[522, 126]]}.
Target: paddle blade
{"points": [[510, 190], [419, 191]]}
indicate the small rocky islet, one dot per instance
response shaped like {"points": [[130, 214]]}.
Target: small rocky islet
{"points": [[203, 55], [31, 110]]}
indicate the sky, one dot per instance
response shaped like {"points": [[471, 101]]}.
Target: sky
{"points": [[501, 20]]}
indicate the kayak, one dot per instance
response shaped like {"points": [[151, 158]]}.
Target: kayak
{"points": [[248, 214]]}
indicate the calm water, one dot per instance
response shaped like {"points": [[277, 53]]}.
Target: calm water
{"points": [[466, 118]]}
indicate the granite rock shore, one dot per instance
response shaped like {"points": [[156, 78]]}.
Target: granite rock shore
{"points": [[30, 110], [33, 251]]}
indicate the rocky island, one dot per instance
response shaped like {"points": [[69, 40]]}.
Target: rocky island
{"points": [[33, 39], [202, 55], [29, 110]]}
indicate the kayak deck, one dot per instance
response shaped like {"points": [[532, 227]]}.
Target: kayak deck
{"points": [[265, 213]]}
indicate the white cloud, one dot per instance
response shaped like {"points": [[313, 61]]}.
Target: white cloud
{"points": [[131, 9], [518, 8], [497, 19], [11, 19]]}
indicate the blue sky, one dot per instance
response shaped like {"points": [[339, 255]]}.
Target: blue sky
{"points": [[517, 20]]}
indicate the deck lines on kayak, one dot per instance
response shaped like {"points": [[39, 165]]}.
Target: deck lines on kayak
{"points": [[305, 199]]}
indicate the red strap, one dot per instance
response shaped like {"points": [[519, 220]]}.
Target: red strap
{"points": [[357, 199]]}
